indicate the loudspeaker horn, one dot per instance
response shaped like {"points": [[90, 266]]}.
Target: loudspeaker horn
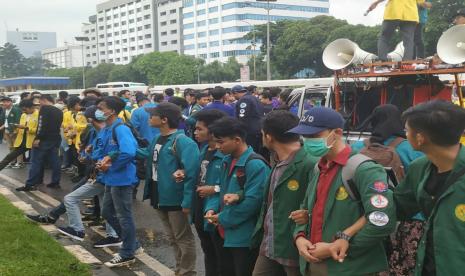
{"points": [[398, 53], [451, 45], [342, 52]]}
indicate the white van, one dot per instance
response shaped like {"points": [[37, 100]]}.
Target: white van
{"points": [[112, 88]]}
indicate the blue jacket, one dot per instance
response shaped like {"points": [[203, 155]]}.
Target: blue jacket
{"points": [[140, 121], [213, 172], [123, 169], [221, 106], [405, 151], [170, 193], [239, 220], [250, 111]]}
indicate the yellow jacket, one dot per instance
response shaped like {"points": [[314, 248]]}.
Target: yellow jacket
{"points": [[30, 133], [73, 127], [404, 10], [125, 115]]}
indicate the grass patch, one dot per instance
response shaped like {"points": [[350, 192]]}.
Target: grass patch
{"points": [[25, 249]]}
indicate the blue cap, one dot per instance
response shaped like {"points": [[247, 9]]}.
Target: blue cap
{"points": [[238, 89], [317, 120]]}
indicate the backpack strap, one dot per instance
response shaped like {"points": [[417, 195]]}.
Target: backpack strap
{"points": [[113, 132], [242, 176], [348, 174], [174, 151], [394, 143]]}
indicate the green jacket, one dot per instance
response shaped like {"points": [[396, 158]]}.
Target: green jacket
{"points": [[13, 118], [366, 253], [447, 215], [238, 220], [287, 197]]}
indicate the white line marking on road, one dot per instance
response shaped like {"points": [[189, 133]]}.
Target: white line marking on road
{"points": [[144, 258], [46, 198], [82, 255], [11, 180], [5, 191], [139, 273], [51, 229], [23, 206]]}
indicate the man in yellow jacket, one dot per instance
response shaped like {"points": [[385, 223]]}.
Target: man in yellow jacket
{"points": [[402, 14], [26, 128]]}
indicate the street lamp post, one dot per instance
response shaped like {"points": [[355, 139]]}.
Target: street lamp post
{"points": [[254, 44], [268, 60], [82, 39]]}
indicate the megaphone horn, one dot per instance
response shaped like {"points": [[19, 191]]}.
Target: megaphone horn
{"points": [[451, 45], [342, 52], [398, 53]]}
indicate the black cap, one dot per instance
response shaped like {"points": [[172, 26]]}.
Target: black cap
{"points": [[5, 98], [318, 119], [460, 12], [90, 112]]}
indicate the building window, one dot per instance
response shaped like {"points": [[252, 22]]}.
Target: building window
{"points": [[141, 47], [102, 44], [174, 42], [188, 26], [203, 56], [123, 23], [125, 58], [172, 11], [131, 30], [163, 23], [140, 37], [100, 19], [215, 55], [201, 34], [148, 45], [189, 47], [214, 32], [214, 43], [116, 33], [133, 48], [189, 15], [174, 31], [147, 26], [110, 60], [102, 52], [213, 9], [123, 14], [88, 55], [163, 33], [139, 28], [139, 19], [213, 21], [188, 3], [108, 26], [101, 36], [116, 25], [108, 17], [164, 43], [131, 12], [148, 36], [162, 13], [101, 28], [138, 10], [110, 43], [125, 49], [133, 39], [125, 40], [110, 52], [109, 35], [131, 21], [189, 36], [173, 21], [200, 2], [202, 45], [118, 51], [118, 59], [115, 16], [147, 16], [146, 7], [200, 12], [201, 23], [124, 32]]}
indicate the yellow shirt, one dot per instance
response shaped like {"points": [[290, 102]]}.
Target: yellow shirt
{"points": [[125, 116], [31, 121], [404, 10], [73, 127]]}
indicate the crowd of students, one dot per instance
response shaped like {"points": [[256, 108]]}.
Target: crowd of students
{"points": [[314, 205]]}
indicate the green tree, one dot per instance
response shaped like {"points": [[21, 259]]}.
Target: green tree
{"points": [[74, 74], [12, 62], [99, 74]]}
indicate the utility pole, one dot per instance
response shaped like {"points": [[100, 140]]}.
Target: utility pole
{"points": [[82, 39], [268, 44]]}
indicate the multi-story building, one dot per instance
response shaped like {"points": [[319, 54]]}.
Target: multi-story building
{"points": [[89, 30], [169, 15], [68, 56], [213, 29], [32, 43]]}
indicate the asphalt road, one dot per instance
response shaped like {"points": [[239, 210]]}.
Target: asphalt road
{"points": [[149, 228]]}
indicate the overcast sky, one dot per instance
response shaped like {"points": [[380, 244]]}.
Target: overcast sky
{"points": [[66, 16]]}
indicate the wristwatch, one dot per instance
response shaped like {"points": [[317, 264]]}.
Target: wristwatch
{"points": [[342, 236], [217, 188]]}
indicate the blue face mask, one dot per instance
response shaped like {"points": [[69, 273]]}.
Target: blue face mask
{"points": [[317, 147], [100, 115]]}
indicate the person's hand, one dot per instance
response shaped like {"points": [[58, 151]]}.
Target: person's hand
{"points": [[179, 176], [299, 216], [205, 191], [304, 246], [427, 5], [338, 249], [36, 143], [321, 250], [186, 211], [88, 149], [209, 216], [104, 164], [81, 159], [230, 199], [372, 6], [21, 126]]}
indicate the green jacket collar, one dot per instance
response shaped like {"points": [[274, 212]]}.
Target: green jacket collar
{"points": [[291, 169], [242, 159]]}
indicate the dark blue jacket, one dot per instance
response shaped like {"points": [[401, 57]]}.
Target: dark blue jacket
{"points": [[140, 120], [250, 111], [221, 106]]}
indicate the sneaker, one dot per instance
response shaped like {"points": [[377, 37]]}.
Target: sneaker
{"points": [[139, 251], [119, 261], [17, 166], [53, 185], [26, 189], [64, 168], [42, 219], [108, 241], [70, 232]]}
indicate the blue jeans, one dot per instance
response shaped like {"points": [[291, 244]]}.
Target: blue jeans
{"points": [[117, 211], [60, 210], [47, 150], [73, 199]]}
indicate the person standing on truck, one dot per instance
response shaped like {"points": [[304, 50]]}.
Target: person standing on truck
{"points": [[401, 14], [423, 10]]}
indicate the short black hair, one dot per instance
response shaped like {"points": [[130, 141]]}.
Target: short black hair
{"points": [[122, 92], [228, 127], [158, 97], [26, 103], [35, 93], [47, 97], [24, 95], [442, 122], [169, 111], [169, 92], [188, 91], [72, 101], [278, 122], [251, 88], [209, 116], [181, 102], [88, 101], [201, 95], [63, 95], [114, 103], [266, 95], [218, 93], [285, 94], [275, 91]]}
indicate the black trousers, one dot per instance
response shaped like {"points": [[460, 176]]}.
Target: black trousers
{"points": [[215, 257], [243, 259], [13, 155]]}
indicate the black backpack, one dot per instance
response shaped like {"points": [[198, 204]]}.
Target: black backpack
{"points": [[241, 172], [141, 143]]}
